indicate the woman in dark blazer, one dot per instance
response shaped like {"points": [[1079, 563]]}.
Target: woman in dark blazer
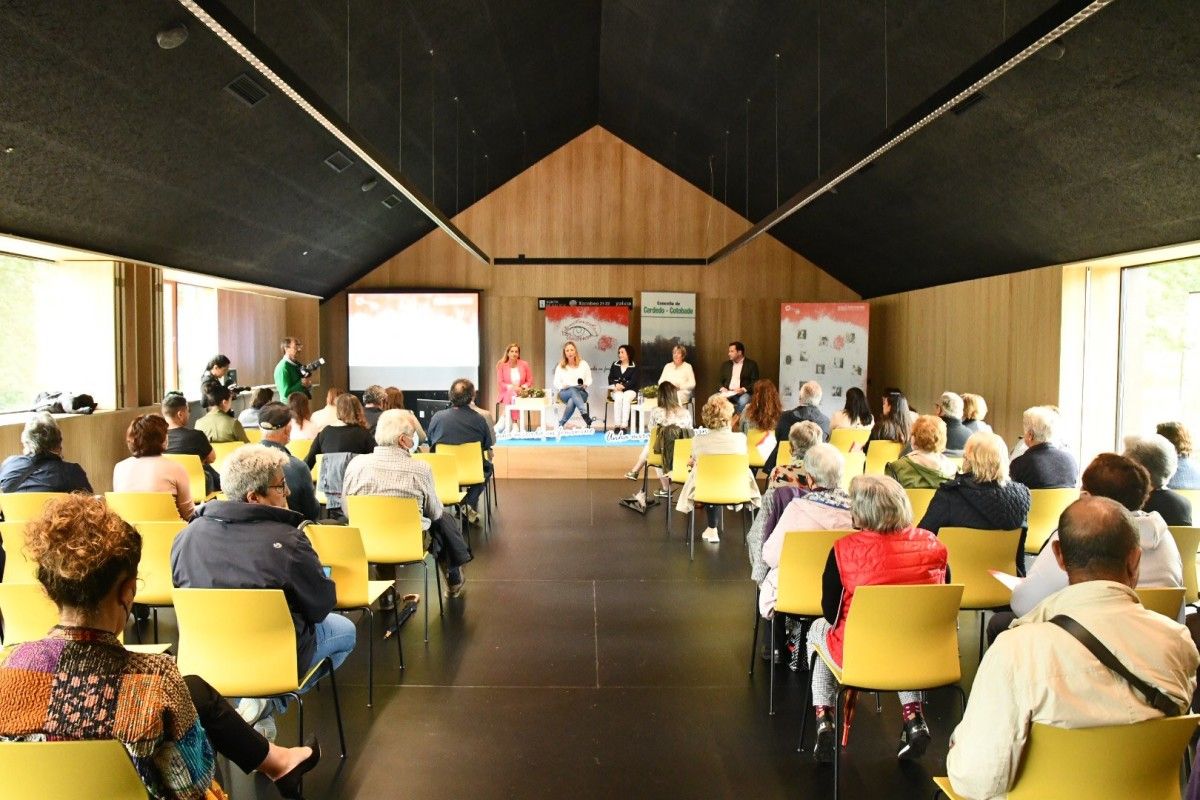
{"points": [[623, 384]]}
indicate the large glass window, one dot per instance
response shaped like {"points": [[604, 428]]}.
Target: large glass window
{"points": [[1160, 346], [189, 335], [57, 331]]}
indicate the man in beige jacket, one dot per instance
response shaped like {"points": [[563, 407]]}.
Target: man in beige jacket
{"points": [[1037, 672]]}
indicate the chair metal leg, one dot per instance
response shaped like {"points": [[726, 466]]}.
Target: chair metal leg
{"points": [[396, 613], [771, 690], [370, 656], [838, 722], [982, 635], [425, 570], [754, 641], [692, 535], [806, 709], [154, 611], [337, 706], [437, 576]]}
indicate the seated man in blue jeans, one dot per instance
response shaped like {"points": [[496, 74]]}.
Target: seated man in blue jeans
{"points": [[461, 424], [253, 542]]}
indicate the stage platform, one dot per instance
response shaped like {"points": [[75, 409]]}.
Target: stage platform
{"points": [[573, 455]]}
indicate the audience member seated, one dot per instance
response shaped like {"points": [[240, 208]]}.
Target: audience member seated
{"points": [[925, 466], [679, 373], [217, 425], [895, 423], [302, 425], [40, 467], [825, 507], [982, 496], [252, 541], [975, 408], [670, 413], [147, 471], [461, 424], [764, 409], [395, 400], [950, 409], [374, 400], [249, 416], [886, 549], [81, 683], [390, 470], [1127, 482], [855, 414], [1186, 475], [717, 416], [182, 440], [347, 434], [808, 408], [327, 414], [275, 420], [1038, 672], [801, 437], [1043, 465], [1156, 453]]}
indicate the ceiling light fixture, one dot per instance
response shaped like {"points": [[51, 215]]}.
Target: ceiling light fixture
{"points": [[1042, 32], [233, 33], [172, 37]]}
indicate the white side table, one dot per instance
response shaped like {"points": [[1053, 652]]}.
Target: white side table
{"points": [[641, 410], [524, 405]]}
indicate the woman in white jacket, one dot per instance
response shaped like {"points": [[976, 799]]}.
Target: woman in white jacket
{"points": [[572, 377], [1124, 480]]}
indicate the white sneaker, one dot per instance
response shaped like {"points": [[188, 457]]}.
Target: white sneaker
{"points": [[710, 535], [252, 709]]}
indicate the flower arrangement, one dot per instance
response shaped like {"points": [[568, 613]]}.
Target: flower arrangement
{"points": [[529, 391], [650, 391]]}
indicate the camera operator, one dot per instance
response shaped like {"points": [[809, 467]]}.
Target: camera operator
{"points": [[290, 374], [218, 372]]}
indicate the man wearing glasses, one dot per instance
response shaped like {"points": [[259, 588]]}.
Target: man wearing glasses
{"points": [[288, 377]]}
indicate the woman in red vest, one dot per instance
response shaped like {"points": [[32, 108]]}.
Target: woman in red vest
{"points": [[887, 549]]}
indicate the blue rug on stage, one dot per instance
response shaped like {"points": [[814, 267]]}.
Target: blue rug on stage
{"points": [[570, 438]]}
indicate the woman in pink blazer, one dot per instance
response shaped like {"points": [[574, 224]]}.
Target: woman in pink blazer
{"points": [[512, 374]]}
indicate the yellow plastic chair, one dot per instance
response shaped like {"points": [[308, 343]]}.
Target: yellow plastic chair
{"points": [[880, 453], [223, 451], [1166, 600], [888, 651], [1114, 762], [29, 615], [1045, 508], [783, 453], [135, 507], [195, 472], [155, 585], [855, 463], [255, 436], [920, 500], [18, 568], [299, 448], [315, 472], [681, 455], [801, 565], [845, 439], [957, 461], [753, 437], [445, 476], [243, 642], [24, 506], [1188, 542], [972, 552], [97, 768], [470, 473], [392, 536], [1192, 496], [721, 480], [341, 549]]}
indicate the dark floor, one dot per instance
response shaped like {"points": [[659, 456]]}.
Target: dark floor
{"points": [[589, 658]]}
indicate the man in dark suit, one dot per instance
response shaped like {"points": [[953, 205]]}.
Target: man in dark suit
{"points": [[738, 375]]}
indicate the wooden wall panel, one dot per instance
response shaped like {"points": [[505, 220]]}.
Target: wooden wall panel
{"points": [[249, 329], [597, 196], [997, 337]]}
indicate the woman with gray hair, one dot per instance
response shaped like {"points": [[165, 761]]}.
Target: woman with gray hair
{"points": [[40, 467], [802, 437], [886, 550], [1156, 453]]}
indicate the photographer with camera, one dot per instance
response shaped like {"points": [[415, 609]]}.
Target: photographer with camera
{"points": [[290, 375], [218, 372]]}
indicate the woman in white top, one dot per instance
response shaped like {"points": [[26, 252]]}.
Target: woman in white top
{"points": [[717, 414], [679, 373], [623, 384], [572, 377], [303, 426], [668, 412], [327, 415]]}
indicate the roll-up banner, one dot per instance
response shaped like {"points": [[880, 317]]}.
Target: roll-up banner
{"points": [[826, 343], [597, 326], [668, 319]]}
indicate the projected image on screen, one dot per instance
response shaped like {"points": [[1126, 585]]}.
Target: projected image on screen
{"points": [[416, 341]]}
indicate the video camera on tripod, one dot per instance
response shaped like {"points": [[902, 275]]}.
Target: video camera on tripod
{"points": [[308, 369]]}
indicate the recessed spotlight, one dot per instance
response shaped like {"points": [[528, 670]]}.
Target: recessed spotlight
{"points": [[10, 148], [304, 253], [369, 184], [171, 37]]}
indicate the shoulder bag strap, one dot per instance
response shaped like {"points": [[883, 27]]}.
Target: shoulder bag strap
{"points": [[1157, 698]]}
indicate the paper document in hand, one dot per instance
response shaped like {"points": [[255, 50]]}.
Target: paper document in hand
{"points": [[1011, 581], [767, 445]]}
